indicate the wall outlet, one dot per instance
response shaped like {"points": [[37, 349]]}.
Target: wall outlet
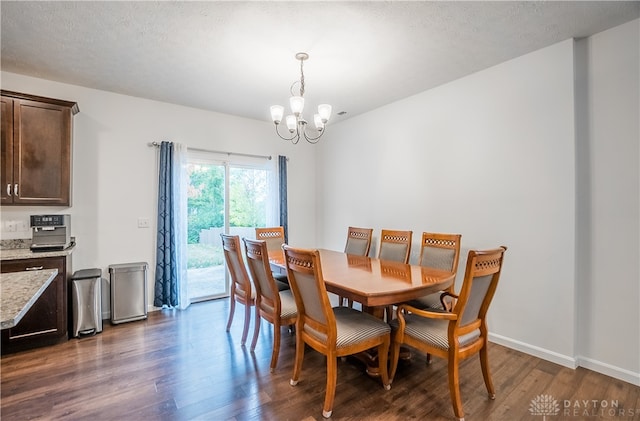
{"points": [[12, 226], [23, 226], [143, 222]]}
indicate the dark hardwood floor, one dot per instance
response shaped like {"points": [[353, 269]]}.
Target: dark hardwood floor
{"points": [[184, 366]]}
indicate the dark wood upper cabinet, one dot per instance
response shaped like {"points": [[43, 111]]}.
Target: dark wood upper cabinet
{"points": [[36, 150]]}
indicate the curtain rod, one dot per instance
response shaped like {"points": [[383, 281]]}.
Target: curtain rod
{"points": [[157, 144]]}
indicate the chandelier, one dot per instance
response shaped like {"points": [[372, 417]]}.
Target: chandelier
{"points": [[296, 123]]}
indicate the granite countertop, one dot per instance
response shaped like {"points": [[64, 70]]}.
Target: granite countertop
{"points": [[26, 253], [19, 291]]}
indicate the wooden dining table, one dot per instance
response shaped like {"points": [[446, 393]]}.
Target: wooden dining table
{"points": [[374, 283]]}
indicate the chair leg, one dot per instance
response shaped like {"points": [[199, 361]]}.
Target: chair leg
{"points": [[383, 363], [247, 320], [297, 364], [276, 346], [232, 309], [256, 330], [454, 385], [332, 378], [486, 373], [395, 355]]}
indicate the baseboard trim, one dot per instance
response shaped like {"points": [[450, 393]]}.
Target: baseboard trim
{"points": [[563, 360], [536, 351], [610, 370]]}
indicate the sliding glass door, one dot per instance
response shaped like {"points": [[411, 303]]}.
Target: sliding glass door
{"points": [[230, 196]]}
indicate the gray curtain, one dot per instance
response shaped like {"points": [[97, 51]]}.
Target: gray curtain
{"points": [[166, 285], [282, 183]]}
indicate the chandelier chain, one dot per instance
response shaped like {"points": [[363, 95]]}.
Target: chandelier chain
{"points": [[301, 78]]}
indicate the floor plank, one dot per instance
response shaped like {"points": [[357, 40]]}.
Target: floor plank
{"points": [[182, 365]]}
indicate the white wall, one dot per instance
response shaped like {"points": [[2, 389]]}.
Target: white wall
{"points": [[115, 171], [609, 203], [493, 156], [489, 156]]}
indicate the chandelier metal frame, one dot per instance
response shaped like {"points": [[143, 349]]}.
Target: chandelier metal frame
{"points": [[296, 123]]}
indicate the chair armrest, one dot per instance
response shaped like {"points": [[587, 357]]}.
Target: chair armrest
{"points": [[426, 313], [448, 306]]}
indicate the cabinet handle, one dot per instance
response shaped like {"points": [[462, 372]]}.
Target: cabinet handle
{"points": [[8, 189], [35, 268], [15, 189]]}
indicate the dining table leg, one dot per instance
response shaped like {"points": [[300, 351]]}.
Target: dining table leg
{"points": [[370, 356]]}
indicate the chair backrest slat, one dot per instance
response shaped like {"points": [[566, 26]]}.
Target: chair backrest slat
{"points": [[241, 284], [395, 245], [440, 251], [478, 288], [274, 237], [358, 241], [307, 285], [258, 262]]}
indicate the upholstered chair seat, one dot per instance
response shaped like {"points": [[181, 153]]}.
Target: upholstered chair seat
{"points": [[432, 331]]}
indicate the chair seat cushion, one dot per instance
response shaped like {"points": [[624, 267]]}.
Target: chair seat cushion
{"points": [[287, 304], [431, 301], [354, 326], [432, 331]]}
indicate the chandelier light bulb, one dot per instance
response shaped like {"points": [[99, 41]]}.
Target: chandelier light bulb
{"points": [[277, 111], [318, 122], [292, 122], [325, 112], [297, 105]]}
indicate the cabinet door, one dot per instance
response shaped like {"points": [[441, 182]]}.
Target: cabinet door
{"points": [[42, 153], [46, 321], [6, 188]]}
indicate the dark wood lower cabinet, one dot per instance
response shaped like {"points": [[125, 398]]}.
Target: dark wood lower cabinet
{"points": [[46, 323]]}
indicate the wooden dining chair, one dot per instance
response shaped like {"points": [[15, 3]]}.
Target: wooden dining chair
{"points": [[438, 251], [358, 244], [275, 306], [358, 241], [334, 332], [274, 237], [241, 290], [458, 334], [395, 245]]}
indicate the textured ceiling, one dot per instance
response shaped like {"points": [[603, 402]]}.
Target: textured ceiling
{"points": [[238, 57]]}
